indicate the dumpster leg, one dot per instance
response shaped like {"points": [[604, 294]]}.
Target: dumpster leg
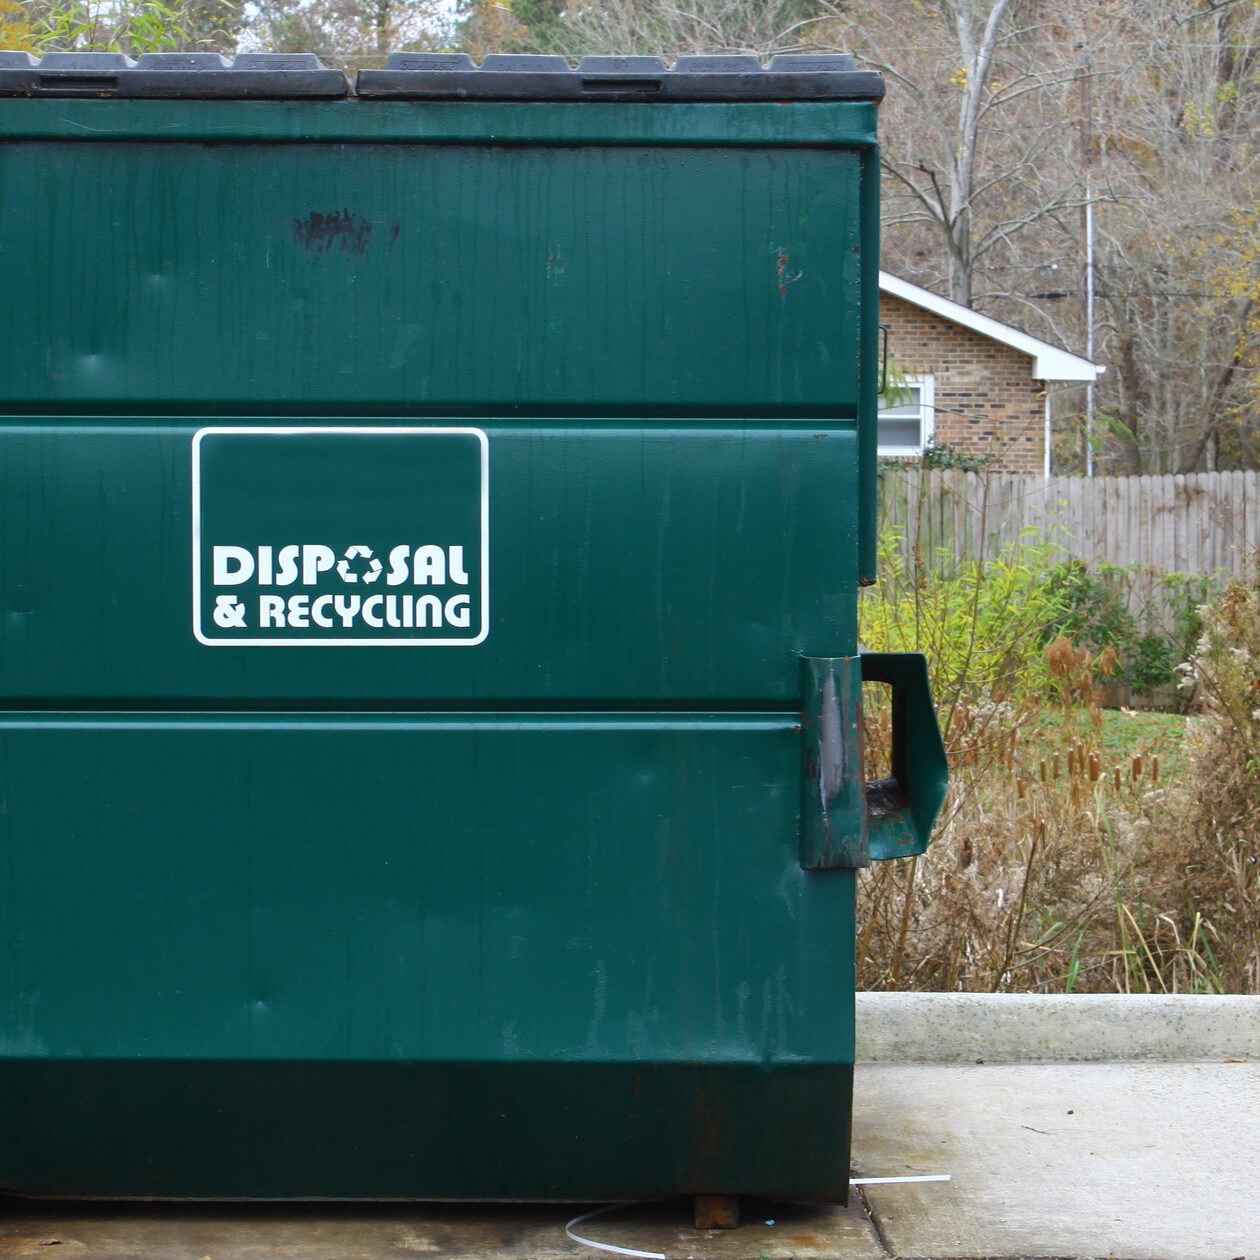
{"points": [[717, 1211]]}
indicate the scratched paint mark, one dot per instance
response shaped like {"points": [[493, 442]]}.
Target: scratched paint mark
{"points": [[338, 230], [600, 1004], [785, 277]]}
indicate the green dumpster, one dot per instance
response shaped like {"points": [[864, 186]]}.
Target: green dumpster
{"points": [[433, 522]]}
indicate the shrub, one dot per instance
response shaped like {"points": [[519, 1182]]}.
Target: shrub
{"points": [[1209, 865], [1151, 663], [1150, 641], [979, 622], [1060, 863], [947, 456], [1093, 608]]}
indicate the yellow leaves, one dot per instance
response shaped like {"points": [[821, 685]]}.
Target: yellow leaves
{"points": [[15, 31], [959, 78], [1198, 120], [1236, 277]]}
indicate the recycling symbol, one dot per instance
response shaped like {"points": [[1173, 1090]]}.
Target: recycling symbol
{"points": [[347, 574]]}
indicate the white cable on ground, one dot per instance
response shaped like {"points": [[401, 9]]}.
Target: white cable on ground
{"points": [[590, 1242], [660, 1255], [888, 1181]]}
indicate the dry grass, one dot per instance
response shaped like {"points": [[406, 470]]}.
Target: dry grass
{"points": [[1059, 866]]}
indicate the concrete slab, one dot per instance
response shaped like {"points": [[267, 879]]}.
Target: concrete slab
{"points": [[1055, 1028], [1144, 1161], [98, 1231], [1095, 1126]]}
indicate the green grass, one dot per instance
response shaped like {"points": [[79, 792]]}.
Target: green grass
{"points": [[1123, 736]]}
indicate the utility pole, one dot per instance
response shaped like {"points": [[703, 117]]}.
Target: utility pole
{"points": [[1087, 225]]}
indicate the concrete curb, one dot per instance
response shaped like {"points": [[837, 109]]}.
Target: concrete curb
{"points": [[1050, 1028]]}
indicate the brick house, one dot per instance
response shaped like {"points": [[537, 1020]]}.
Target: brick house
{"points": [[970, 381]]}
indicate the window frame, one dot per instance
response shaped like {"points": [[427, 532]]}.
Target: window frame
{"points": [[925, 383]]}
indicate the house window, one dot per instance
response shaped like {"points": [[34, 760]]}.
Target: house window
{"points": [[906, 417]]}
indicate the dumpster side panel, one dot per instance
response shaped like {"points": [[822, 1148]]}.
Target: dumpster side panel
{"points": [[449, 888], [433, 902], [564, 1131], [625, 565], [455, 277]]}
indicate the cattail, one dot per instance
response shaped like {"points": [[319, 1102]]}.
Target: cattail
{"points": [[1095, 769], [1056, 765], [1019, 785], [1154, 769], [1137, 767], [1071, 767], [1116, 778], [1043, 769]]}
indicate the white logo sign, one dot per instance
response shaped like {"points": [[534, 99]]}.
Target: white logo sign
{"points": [[412, 501]]}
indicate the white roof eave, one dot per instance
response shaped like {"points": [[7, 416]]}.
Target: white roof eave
{"points": [[1049, 362]]}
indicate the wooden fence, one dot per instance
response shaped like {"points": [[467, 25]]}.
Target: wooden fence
{"points": [[1200, 523]]}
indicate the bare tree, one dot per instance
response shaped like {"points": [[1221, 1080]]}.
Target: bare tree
{"points": [[972, 125], [669, 27], [1158, 102], [1177, 271], [1003, 119], [348, 33]]}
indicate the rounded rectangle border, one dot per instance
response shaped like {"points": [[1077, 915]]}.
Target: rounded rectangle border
{"points": [[344, 430]]}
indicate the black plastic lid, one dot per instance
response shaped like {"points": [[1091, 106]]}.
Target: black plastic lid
{"points": [[197, 75], [440, 76], [521, 77]]}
